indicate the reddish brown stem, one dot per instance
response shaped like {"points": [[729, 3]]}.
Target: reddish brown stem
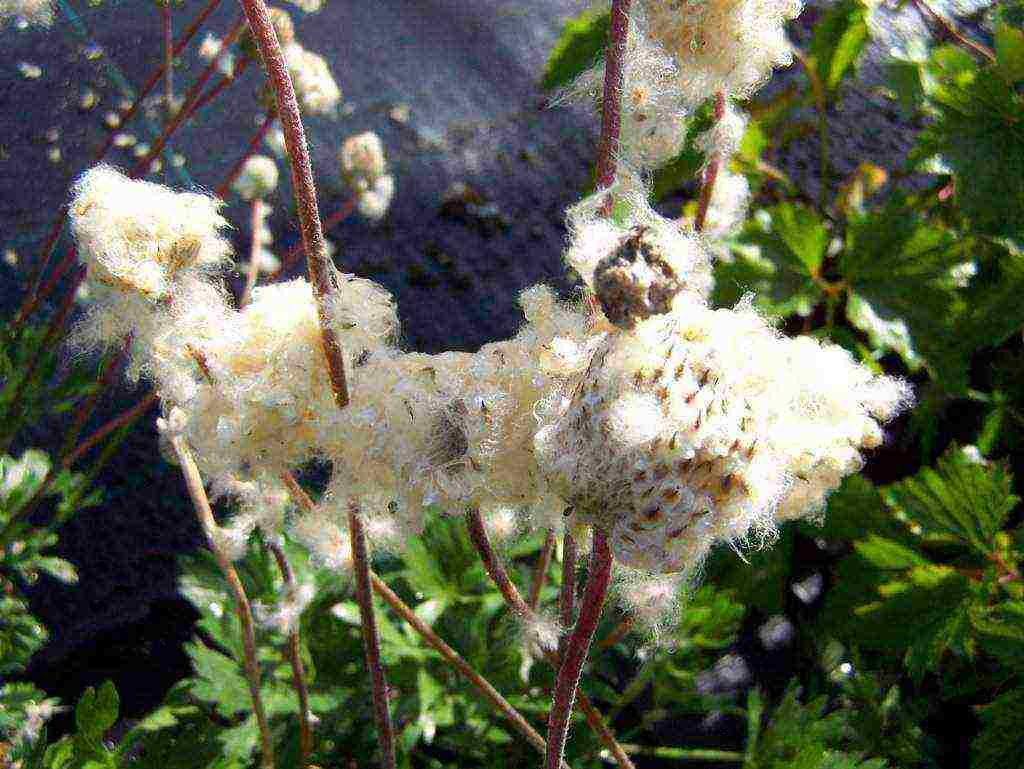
{"points": [[295, 660], [240, 67], [189, 101], [254, 145], [371, 642], [168, 30], [496, 571], [201, 505], [567, 597], [322, 274], [540, 573], [711, 172], [295, 252], [951, 30], [567, 682], [617, 634], [255, 225], [608, 145], [32, 300], [124, 418]]}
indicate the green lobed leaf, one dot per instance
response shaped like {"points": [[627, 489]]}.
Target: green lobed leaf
{"points": [[1010, 52], [839, 38], [1001, 741], [579, 46], [960, 498]]}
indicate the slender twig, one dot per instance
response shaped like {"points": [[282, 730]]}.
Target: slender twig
{"points": [[455, 659], [168, 30], [620, 632], [371, 641], [567, 682], [240, 66], [953, 32], [540, 573], [125, 417], [250, 150], [496, 571], [322, 274], [201, 505], [567, 596], [295, 660], [189, 101], [32, 299], [608, 146], [711, 172], [295, 252], [256, 227]]}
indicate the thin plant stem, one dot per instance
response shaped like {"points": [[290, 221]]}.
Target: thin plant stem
{"points": [[567, 595], [322, 274], [167, 23], [608, 146], [430, 637], [201, 505], [295, 660], [240, 67], [293, 254], [620, 632], [31, 300], [124, 418], [540, 573], [711, 172], [480, 683], [568, 679], [252, 273], [496, 571], [250, 150], [371, 641], [189, 101], [953, 32]]}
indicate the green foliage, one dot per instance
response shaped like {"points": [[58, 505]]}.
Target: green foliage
{"points": [[579, 46], [839, 38]]}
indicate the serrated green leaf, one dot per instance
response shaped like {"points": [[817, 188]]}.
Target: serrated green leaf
{"points": [[839, 38], [886, 554], [978, 134], [218, 680], [1001, 742], [777, 255], [1010, 52], [960, 498], [579, 46], [1001, 633]]}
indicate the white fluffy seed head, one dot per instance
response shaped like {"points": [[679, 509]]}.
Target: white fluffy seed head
{"points": [[722, 45], [315, 87], [702, 426], [36, 13], [138, 236], [258, 178]]}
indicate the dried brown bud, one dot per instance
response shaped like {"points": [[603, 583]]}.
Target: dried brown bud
{"points": [[636, 280]]}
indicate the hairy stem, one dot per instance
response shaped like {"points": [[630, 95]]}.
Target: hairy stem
{"points": [[455, 660], [167, 24], [496, 571], [567, 682], [255, 226], [540, 573], [608, 144], [371, 642], [322, 274], [295, 660], [295, 252], [620, 632], [201, 505], [567, 597], [953, 33], [711, 172]]}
